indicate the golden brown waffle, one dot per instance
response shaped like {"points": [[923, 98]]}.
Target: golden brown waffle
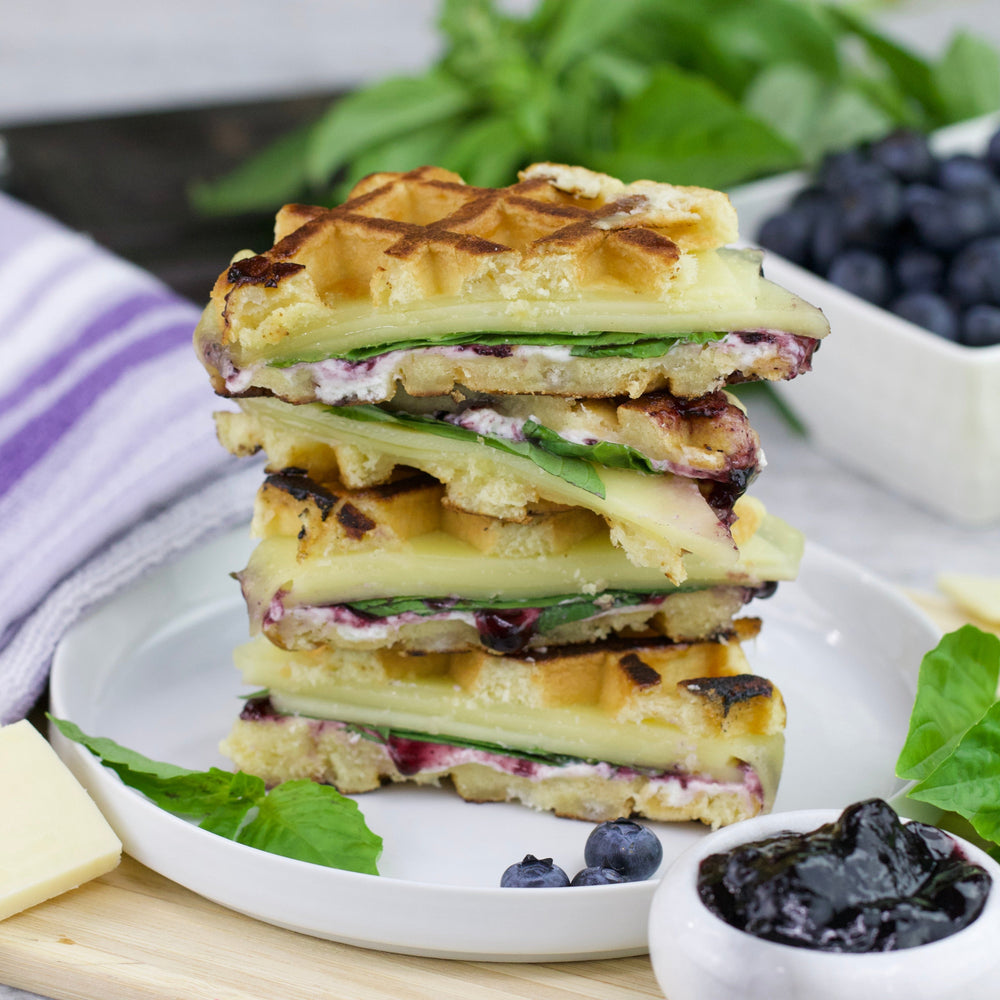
{"points": [[690, 707], [407, 238]]}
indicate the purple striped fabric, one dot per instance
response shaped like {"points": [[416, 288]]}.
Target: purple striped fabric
{"points": [[105, 423]]}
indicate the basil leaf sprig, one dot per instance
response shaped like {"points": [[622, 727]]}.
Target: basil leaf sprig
{"points": [[574, 471], [296, 819], [952, 749], [712, 93]]}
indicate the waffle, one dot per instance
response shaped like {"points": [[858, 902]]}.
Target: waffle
{"points": [[422, 257], [660, 715]]}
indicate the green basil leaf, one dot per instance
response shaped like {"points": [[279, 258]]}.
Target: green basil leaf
{"points": [[594, 345], [563, 607], [570, 470], [956, 686], [394, 107], [914, 75], [609, 453], [312, 822], [812, 113], [581, 28], [966, 782], [685, 130], [968, 77]]}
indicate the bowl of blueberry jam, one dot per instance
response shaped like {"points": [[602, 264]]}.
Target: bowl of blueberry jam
{"points": [[897, 240], [824, 905]]}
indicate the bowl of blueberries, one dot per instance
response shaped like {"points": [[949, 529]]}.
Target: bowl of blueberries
{"points": [[828, 905], [898, 241]]}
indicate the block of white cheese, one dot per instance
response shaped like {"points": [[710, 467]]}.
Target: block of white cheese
{"points": [[52, 836], [978, 596]]}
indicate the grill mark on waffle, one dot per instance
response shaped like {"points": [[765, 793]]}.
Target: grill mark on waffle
{"points": [[261, 270], [728, 691], [298, 485], [354, 522], [641, 674]]}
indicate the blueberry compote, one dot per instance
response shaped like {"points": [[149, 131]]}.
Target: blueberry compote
{"points": [[864, 883]]}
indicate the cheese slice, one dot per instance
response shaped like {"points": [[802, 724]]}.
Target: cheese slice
{"points": [[52, 836], [437, 565]]}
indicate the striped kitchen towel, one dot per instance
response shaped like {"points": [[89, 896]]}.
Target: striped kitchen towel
{"points": [[108, 457]]}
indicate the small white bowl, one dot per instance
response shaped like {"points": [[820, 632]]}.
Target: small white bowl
{"points": [[912, 411], [698, 956]]}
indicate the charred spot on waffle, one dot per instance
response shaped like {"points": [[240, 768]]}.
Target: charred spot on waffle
{"points": [[355, 523], [261, 270], [641, 674], [729, 691], [299, 486]]}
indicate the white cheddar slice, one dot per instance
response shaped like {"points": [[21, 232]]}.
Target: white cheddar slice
{"points": [[52, 836]]}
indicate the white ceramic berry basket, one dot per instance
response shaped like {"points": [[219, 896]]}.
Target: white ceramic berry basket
{"points": [[917, 413]]}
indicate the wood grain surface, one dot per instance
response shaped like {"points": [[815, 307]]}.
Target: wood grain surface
{"points": [[133, 935]]}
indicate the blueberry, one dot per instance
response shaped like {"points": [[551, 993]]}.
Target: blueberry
{"points": [[947, 220], [963, 172], [870, 206], [906, 154], [928, 310], [787, 233], [629, 848], [532, 873], [993, 151], [597, 876], [862, 273], [981, 326], [827, 239], [918, 270], [974, 275], [836, 169]]}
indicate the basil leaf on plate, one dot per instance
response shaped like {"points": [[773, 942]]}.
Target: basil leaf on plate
{"points": [[956, 687], [317, 825]]}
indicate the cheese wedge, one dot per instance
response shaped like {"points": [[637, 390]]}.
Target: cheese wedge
{"points": [[52, 836]]}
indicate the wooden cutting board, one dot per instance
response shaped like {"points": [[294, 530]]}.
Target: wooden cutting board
{"points": [[134, 935]]}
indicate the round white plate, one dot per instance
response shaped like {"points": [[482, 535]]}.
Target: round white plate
{"points": [[152, 670]]}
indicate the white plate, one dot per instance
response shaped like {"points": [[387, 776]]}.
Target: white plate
{"points": [[152, 670]]}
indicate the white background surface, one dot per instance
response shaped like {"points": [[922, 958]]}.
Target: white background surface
{"points": [[61, 58]]}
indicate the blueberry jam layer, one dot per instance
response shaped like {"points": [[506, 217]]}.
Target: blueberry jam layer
{"points": [[864, 883], [502, 630], [410, 754]]}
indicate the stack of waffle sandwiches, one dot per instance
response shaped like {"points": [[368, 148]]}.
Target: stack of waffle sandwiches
{"points": [[504, 538]]}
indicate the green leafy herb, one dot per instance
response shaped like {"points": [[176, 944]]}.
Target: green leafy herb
{"points": [[715, 93], [590, 345], [382, 734], [953, 745], [296, 819], [574, 471], [607, 453], [556, 609]]}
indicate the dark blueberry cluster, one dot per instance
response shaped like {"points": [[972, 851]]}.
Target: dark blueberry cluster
{"points": [[907, 230], [618, 851]]}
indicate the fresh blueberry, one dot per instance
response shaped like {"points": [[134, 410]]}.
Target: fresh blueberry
{"points": [[870, 206], [812, 201], [532, 873], [862, 273], [946, 220], [928, 310], [836, 169], [974, 275], [827, 239], [787, 233], [918, 270], [906, 154], [629, 848], [980, 326], [993, 152], [964, 172], [597, 876]]}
